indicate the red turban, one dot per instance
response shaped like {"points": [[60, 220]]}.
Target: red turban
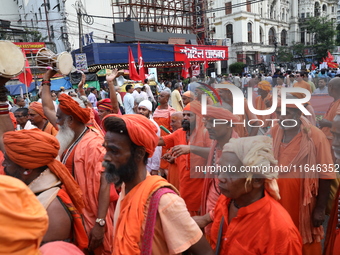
{"points": [[194, 107], [23, 219], [34, 148], [221, 113], [264, 85], [105, 104], [142, 131], [71, 107], [38, 108]]}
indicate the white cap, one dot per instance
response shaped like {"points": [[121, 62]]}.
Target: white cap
{"points": [[147, 104], [138, 86]]}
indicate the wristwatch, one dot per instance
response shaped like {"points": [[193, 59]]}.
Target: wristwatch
{"points": [[101, 222]]}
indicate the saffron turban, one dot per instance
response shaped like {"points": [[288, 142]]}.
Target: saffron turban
{"points": [[13, 119], [23, 219], [221, 113], [38, 108], [105, 104], [194, 107], [264, 85], [147, 104], [189, 94], [71, 107], [33, 149], [141, 130], [257, 152], [60, 247]]}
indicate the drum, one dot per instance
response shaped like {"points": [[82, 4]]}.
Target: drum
{"points": [[62, 63], [12, 60]]}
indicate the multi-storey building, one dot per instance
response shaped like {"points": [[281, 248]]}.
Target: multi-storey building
{"points": [[255, 29]]}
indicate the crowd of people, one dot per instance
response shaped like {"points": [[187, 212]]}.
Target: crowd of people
{"points": [[148, 172]]}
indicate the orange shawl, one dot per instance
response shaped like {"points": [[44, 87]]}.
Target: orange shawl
{"points": [[309, 181], [131, 217]]}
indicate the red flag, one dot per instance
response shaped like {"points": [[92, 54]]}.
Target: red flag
{"points": [[330, 58], [141, 64], [206, 64], [313, 67], [132, 67], [332, 65], [186, 67], [26, 76]]}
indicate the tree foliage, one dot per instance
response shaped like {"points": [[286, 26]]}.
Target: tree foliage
{"points": [[237, 67], [323, 31], [284, 54]]}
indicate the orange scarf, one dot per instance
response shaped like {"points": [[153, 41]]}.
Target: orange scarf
{"points": [[131, 217], [309, 182]]}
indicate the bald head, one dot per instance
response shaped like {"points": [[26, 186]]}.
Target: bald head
{"points": [[334, 87], [165, 94], [176, 120]]}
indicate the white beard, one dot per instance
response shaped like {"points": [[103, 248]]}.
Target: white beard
{"points": [[65, 136]]}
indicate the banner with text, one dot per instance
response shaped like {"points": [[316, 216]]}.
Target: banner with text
{"points": [[200, 53]]}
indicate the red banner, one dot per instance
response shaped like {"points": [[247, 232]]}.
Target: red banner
{"points": [[200, 53], [30, 46]]}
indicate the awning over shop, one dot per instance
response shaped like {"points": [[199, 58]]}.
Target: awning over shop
{"points": [[114, 53], [15, 89]]}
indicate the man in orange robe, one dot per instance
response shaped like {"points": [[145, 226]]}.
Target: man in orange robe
{"points": [[150, 217], [247, 218], [192, 135], [37, 167], [173, 171], [82, 152], [37, 117], [23, 219], [332, 242], [326, 123], [162, 117], [241, 130], [220, 134], [263, 102], [302, 84], [304, 151]]}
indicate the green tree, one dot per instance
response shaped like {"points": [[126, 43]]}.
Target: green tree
{"points": [[298, 51], [33, 36], [338, 34], [237, 67], [323, 31], [284, 54]]}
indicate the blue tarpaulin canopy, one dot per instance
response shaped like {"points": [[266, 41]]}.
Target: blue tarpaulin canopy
{"points": [[112, 53], [55, 85]]}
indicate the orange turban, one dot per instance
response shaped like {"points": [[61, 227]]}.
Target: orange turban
{"points": [[265, 85], [70, 107], [194, 107], [38, 108], [23, 219], [142, 131], [14, 120], [189, 94], [60, 247], [34, 148], [105, 104], [221, 113]]}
